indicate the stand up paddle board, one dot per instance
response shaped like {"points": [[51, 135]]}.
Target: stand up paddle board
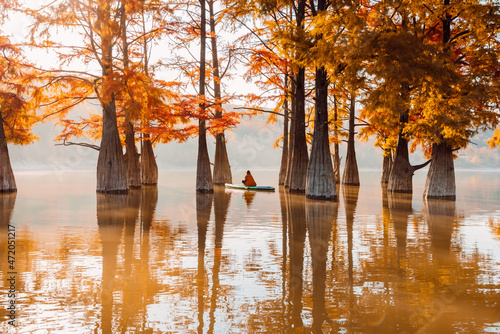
{"points": [[238, 186]]}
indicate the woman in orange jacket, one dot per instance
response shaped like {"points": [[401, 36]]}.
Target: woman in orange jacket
{"points": [[249, 181]]}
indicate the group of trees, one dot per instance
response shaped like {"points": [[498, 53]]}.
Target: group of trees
{"points": [[424, 74]]}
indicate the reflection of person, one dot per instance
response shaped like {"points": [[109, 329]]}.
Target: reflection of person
{"points": [[248, 196], [249, 181]]}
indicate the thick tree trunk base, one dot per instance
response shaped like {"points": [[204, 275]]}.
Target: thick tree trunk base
{"points": [[111, 172], [298, 171], [133, 170], [320, 178], [386, 168], [204, 183], [222, 169], [351, 173], [440, 183], [7, 179], [149, 168]]}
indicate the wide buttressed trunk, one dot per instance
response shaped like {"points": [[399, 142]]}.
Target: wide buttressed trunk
{"points": [[351, 174], [320, 176], [401, 176], [204, 183], [440, 183], [222, 169], [149, 168], [131, 158], [7, 180], [300, 158], [386, 167], [111, 172]]}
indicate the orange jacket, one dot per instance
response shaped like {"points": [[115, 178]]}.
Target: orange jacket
{"points": [[249, 181]]}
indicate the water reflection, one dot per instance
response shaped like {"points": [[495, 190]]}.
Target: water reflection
{"points": [[350, 195], [111, 214], [296, 268], [203, 211], [400, 208], [296, 205], [7, 202], [119, 215], [249, 196], [321, 217], [221, 205]]}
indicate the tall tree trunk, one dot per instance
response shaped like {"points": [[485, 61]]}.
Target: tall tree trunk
{"points": [[149, 168], [131, 157], [351, 174], [284, 152], [291, 143], [111, 172], [300, 158], [386, 167], [320, 177], [222, 169], [440, 183], [336, 150], [7, 180], [401, 176], [204, 182]]}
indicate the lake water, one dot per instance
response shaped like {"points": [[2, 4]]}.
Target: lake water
{"points": [[165, 260]]}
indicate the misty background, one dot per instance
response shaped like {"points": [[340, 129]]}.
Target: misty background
{"points": [[250, 146]]}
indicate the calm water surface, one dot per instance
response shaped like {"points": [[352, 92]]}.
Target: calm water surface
{"points": [[165, 260]]}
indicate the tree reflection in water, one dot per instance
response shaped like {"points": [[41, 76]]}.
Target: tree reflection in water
{"points": [[221, 206], [297, 236], [321, 216], [7, 202], [203, 211], [117, 214], [111, 214]]}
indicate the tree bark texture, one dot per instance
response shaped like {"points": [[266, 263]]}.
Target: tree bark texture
{"points": [[111, 172], [386, 167], [7, 180], [320, 177], [401, 176], [131, 157], [149, 168], [284, 152], [300, 158], [336, 149], [351, 174], [222, 169], [204, 183], [291, 143], [440, 183]]}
